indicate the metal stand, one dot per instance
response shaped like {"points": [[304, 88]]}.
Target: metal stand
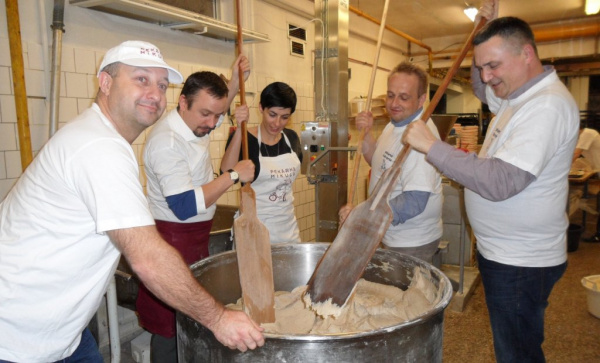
{"points": [[113, 321], [461, 257], [464, 278], [328, 197]]}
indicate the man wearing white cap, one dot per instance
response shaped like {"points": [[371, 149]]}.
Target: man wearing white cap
{"points": [[78, 206]]}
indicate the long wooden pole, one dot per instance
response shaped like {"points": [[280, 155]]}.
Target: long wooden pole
{"points": [[16, 57], [361, 136], [241, 76]]}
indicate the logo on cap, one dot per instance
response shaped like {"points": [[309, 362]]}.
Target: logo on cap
{"points": [[154, 52], [139, 54]]}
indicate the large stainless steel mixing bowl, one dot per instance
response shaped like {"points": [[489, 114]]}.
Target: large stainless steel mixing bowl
{"points": [[417, 340]]}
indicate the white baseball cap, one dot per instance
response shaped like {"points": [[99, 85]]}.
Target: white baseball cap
{"points": [[139, 54]]}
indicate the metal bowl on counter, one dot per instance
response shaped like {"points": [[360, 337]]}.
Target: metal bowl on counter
{"points": [[417, 340]]}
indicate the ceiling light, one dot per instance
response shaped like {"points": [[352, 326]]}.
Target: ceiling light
{"points": [[471, 11], [592, 7]]}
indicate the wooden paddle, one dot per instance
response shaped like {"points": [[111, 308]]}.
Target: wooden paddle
{"points": [[361, 136], [252, 242], [345, 260]]}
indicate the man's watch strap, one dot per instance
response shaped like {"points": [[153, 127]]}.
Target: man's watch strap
{"points": [[234, 176]]}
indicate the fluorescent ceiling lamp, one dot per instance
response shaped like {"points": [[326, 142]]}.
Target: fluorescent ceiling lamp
{"points": [[591, 7], [471, 12]]}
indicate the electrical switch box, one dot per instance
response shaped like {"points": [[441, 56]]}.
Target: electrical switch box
{"points": [[314, 138]]}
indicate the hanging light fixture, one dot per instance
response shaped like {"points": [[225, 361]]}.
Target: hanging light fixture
{"points": [[592, 7], [471, 12]]}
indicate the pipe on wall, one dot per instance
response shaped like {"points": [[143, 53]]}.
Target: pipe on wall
{"points": [[547, 33], [560, 32], [58, 28], [18, 74]]}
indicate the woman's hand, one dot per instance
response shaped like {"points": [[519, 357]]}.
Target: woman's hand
{"points": [[243, 63], [242, 114]]}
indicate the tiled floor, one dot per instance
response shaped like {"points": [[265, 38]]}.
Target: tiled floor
{"points": [[125, 357], [571, 331]]}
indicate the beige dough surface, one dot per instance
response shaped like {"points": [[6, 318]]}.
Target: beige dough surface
{"points": [[372, 306]]}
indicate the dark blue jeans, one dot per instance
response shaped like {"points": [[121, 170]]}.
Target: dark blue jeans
{"points": [[517, 298], [86, 352]]}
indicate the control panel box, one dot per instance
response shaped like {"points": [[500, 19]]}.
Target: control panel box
{"points": [[314, 138]]}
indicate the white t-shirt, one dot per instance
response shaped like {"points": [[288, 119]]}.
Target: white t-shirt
{"points": [[417, 174], [175, 161], [529, 229], [589, 143], [55, 257]]}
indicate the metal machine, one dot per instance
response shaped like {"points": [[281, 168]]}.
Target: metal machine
{"points": [[326, 139], [320, 164]]}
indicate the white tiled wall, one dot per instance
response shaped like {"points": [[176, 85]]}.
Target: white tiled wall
{"points": [[10, 160]]}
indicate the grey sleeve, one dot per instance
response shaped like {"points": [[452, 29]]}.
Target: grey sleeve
{"points": [[477, 84], [407, 205], [493, 179]]}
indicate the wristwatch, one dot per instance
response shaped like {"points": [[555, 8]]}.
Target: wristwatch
{"points": [[234, 176]]}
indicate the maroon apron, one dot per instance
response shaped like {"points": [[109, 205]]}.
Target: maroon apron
{"points": [[191, 240]]}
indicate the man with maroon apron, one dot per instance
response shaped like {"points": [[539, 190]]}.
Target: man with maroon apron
{"points": [[182, 190], [275, 151]]}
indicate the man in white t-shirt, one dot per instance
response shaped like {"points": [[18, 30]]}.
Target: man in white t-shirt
{"points": [[516, 188], [77, 207], [416, 201], [588, 146]]}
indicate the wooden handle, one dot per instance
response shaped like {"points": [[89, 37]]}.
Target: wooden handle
{"points": [[18, 75], [238, 12], [361, 136], [451, 72]]}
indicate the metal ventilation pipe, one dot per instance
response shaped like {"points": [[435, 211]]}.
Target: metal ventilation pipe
{"points": [[58, 28]]}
